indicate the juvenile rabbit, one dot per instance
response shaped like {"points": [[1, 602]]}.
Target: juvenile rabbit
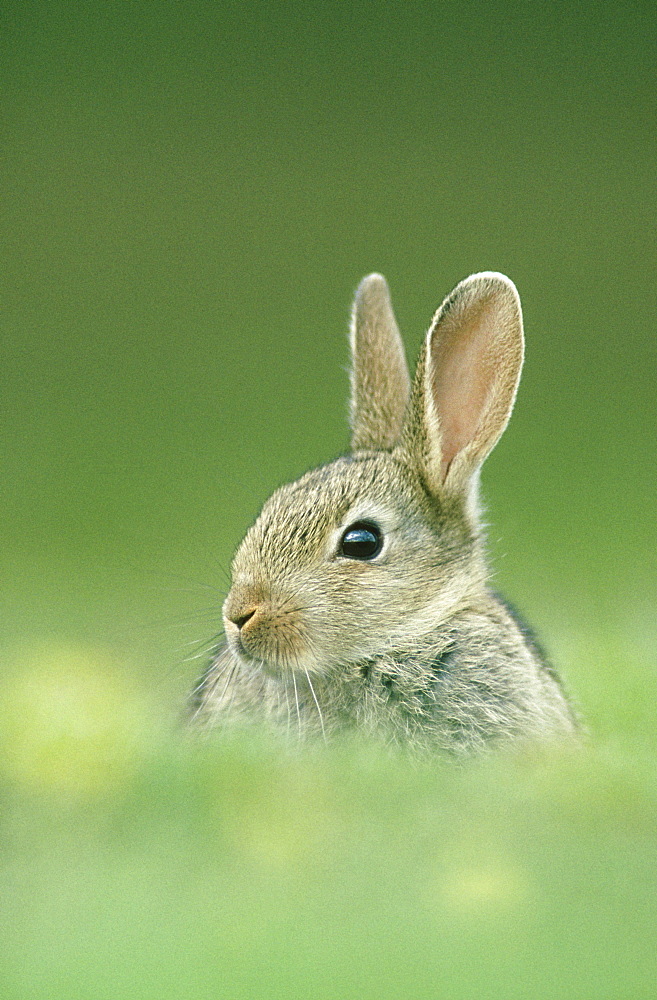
{"points": [[359, 597]]}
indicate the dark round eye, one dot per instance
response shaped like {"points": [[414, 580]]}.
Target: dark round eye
{"points": [[362, 540]]}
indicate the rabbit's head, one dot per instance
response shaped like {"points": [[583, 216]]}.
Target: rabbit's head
{"points": [[369, 553]]}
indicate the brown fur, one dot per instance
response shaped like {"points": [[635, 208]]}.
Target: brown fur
{"points": [[410, 645]]}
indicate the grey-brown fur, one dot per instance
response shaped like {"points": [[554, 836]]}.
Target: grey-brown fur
{"points": [[410, 645]]}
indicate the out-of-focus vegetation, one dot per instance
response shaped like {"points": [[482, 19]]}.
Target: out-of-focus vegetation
{"points": [[137, 863], [192, 191]]}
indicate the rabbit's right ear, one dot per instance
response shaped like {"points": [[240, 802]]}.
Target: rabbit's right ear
{"points": [[380, 383], [466, 382]]}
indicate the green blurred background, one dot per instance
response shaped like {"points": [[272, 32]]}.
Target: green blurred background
{"points": [[192, 192]]}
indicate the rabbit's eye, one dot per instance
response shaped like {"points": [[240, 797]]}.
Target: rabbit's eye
{"points": [[361, 540]]}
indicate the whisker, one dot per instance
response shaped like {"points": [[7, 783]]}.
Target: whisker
{"points": [[196, 642], [296, 698], [204, 691], [203, 646], [278, 700], [201, 620], [191, 586], [197, 656], [289, 710], [221, 673], [228, 681], [312, 689], [232, 694]]}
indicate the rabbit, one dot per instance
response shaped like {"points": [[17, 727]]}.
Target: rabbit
{"points": [[360, 596]]}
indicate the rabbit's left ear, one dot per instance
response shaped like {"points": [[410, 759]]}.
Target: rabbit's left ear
{"points": [[466, 381], [380, 383]]}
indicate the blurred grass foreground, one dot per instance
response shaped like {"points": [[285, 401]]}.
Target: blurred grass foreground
{"points": [[191, 192], [140, 862]]}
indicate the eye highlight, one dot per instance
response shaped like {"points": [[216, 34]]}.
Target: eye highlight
{"points": [[362, 540]]}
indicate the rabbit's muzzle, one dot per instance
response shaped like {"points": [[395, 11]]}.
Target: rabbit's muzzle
{"points": [[264, 630]]}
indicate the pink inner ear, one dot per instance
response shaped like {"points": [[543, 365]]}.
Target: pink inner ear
{"points": [[463, 373]]}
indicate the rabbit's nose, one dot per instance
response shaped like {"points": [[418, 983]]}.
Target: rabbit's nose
{"points": [[241, 620]]}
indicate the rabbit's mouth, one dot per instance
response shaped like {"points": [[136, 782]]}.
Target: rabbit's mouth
{"points": [[255, 651]]}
